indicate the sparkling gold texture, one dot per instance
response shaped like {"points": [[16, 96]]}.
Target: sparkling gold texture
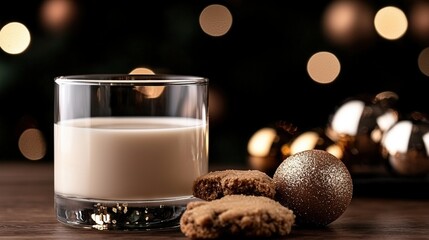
{"points": [[315, 185]]}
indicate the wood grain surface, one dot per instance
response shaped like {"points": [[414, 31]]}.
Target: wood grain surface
{"points": [[26, 212]]}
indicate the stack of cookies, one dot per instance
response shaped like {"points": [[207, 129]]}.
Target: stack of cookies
{"points": [[236, 203]]}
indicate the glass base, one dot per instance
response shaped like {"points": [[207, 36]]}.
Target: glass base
{"points": [[163, 214]]}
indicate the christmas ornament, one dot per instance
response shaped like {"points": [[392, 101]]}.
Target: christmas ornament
{"points": [[315, 185], [358, 125], [406, 145], [268, 146], [315, 139]]}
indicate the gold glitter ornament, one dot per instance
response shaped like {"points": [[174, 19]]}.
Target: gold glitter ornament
{"points": [[315, 185]]}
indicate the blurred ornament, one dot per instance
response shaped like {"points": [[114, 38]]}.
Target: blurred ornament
{"points": [[268, 146], [315, 139], [406, 145], [359, 125]]}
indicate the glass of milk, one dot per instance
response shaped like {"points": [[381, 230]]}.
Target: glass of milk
{"points": [[127, 149]]}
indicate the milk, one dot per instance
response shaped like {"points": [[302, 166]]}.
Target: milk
{"points": [[129, 158]]}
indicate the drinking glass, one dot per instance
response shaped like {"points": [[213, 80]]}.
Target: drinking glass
{"points": [[127, 149]]}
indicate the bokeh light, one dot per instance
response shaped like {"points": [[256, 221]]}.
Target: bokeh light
{"points": [[323, 67], [58, 15], [142, 70], [14, 38], [347, 117], [390, 23], [315, 139], [259, 144], [215, 20], [32, 144], [217, 105], [419, 20], [304, 141], [147, 91], [397, 138], [348, 22], [423, 61]]}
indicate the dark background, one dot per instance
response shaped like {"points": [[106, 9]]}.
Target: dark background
{"points": [[257, 70]]}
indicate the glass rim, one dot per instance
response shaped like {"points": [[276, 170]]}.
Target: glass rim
{"points": [[156, 79]]}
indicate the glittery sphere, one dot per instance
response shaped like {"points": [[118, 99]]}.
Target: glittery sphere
{"points": [[315, 185]]}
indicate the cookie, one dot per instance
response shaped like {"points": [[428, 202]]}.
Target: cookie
{"points": [[216, 184], [236, 216]]}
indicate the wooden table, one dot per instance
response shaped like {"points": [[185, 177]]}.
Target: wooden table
{"points": [[26, 212]]}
